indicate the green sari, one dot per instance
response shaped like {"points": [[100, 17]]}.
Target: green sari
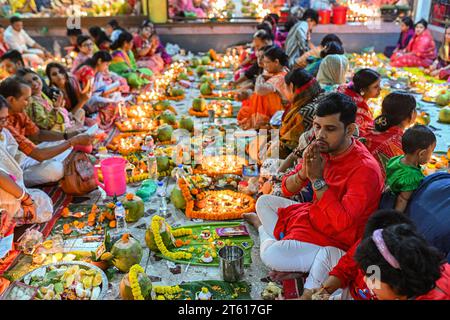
{"points": [[124, 64]]}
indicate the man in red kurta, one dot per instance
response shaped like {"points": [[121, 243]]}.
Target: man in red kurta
{"points": [[347, 184]]}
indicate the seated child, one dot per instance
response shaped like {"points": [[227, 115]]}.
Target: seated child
{"points": [[403, 173]]}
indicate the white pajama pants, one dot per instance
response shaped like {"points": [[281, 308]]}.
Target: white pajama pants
{"points": [[292, 255], [48, 171], [32, 57]]}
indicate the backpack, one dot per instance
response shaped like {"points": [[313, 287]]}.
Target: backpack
{"points": [[429, 209], [78, 174]]}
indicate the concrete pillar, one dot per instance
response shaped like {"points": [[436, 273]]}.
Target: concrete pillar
{"points": [[422, 9]]}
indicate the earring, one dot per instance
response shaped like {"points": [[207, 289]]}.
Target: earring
{"points": [[362, 93]]}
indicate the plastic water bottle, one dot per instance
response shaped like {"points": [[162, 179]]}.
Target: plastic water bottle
{"points": [[162, 209], [149, 144], [180, 173], [152, 166], [119, 212]]}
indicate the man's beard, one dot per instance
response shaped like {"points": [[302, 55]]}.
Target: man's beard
{"points": [[325, 147]]}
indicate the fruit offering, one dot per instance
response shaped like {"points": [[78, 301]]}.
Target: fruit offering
{"points": [[67, 281]]}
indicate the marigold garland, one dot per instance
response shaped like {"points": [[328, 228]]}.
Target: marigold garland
{"points": [[155, 225], [134, 283], [167, 289]]}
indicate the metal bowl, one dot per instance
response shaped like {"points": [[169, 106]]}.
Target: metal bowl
{"points": [[104, 285]]}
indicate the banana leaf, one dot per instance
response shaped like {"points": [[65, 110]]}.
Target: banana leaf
{"points": [[200, 243], [419, 72], [220, 290], [58, 228]]}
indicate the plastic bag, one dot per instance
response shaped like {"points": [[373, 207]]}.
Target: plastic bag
{"points": [[31, 239]]}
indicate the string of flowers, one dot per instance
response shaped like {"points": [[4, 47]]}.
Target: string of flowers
{"points": [[155, 225], [134, 283]]}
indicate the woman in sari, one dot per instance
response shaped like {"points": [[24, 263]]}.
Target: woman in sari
{"points": [[146, 45], [107, 88], [85, 48], [406, 34], [124, 63], [45, 113], [441, 66], [101, 39], [365, 86], [261, 38], [332, 71], [270, 93], [420, 51], [25, 205], [74, 97], [385, 140], [305, 91]]}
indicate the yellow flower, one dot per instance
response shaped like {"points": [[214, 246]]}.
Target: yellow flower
{"points": [[134, 283], [155, 225]]}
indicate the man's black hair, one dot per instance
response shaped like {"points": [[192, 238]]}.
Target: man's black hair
{"points": [[335, 103], [12, 87]]}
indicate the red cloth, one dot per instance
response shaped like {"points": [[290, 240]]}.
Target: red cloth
{"points": [[420, 52], [442, 289], [364, 117], [384, 145], [351, 276], [84, 74], [355, 184]]}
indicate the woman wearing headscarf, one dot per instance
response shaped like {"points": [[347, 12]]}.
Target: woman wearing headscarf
{"points": [[332, 71]]}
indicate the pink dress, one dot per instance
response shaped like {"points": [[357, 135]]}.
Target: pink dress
{"points": [[152, 61], [420, 52]]}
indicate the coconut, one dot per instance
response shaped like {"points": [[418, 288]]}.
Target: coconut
{"points": [[168, 117], [444, 115], [144, 283], [443, 99], [164, 133], [187, 123], [205, 89], [163, 163], [206, 60], [161, 105], [176, 92], [134, 208], [126, 253], [183, 76], [166, 236], [196, 62], [177, 198], [199, 104], [206, 78], [201, 70]]}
